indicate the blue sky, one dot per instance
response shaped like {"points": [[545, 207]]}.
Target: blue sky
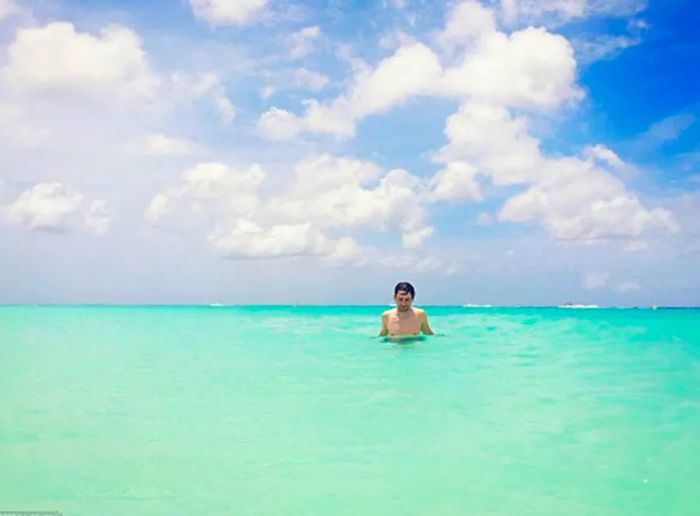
{"points": [[263, 151]]}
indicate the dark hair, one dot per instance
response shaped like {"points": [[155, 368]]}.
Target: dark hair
{"points": [[405, 286]]}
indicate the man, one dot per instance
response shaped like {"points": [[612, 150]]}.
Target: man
{"points": [[404, 319]]}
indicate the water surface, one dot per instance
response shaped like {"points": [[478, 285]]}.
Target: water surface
{"points": [[302, 410]]}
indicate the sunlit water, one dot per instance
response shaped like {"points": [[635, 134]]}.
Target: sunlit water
{"points": [[303, 411]]}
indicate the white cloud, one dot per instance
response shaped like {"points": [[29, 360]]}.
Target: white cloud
{"points": [[302, 43], [607, 157], [279, 124], [232, 190], [160, 144], [555, 12], [231, 195], [494, 142], [411, 71], [530, 69], [604, 154], [455, 182], [54, 207], [327, 194], [573, 198], [310, 80], [603, 47], [320, 118], [248, 240], [466, 21], [228, 12], [595, 280], [58, 59], [157, 208], [577, 200], [336, 192]]}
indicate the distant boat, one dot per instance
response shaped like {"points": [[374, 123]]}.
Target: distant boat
{"points": [[572, 305], [471, 305]]}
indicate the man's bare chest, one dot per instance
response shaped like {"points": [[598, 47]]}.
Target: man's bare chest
{"points": [[406, 324]]}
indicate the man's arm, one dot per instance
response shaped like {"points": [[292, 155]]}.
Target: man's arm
{"points": [[384, 331], [424, 326]]}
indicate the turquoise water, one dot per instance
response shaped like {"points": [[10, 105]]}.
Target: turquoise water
{"points": [[302, 411]]}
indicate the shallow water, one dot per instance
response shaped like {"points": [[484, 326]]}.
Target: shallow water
{"points": [[302, 410]]}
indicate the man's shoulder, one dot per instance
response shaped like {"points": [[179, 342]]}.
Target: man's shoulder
{"points": [[387, 313], [419, 312]]}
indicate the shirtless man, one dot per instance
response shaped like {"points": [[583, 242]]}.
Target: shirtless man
{"points": [[404, 319]]}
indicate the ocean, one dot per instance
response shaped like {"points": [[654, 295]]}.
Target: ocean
{"points": [[284, 410]]}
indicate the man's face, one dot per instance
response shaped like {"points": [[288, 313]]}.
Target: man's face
{"points": [[403, 300]]}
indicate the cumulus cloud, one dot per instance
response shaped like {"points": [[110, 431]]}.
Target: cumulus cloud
{"points": [[279, 124], [495, 142], [577, 200], [248, 240], [454, 183], [412, 70], [327, 195], [339, 192], [228, 12], [466, 21], [58, 59], [530, 68], [573, 198], [55, 208], [231, 190], [302, 43]]}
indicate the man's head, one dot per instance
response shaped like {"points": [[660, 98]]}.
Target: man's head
{"points": [[404, 293]]}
